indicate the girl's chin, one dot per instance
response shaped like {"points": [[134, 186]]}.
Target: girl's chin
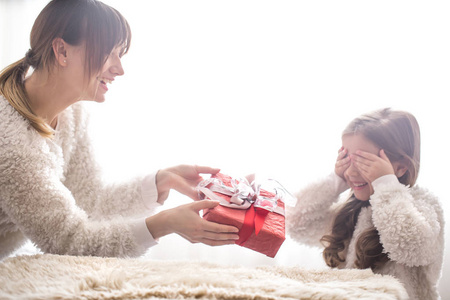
{"points": [[361, 197]]}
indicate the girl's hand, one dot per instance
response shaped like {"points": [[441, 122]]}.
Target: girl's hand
{"points": [[185, 221], [342, 162], [372, 166], [182, 178]]}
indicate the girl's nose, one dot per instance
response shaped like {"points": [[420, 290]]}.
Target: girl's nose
{"points": [[352, 170]]}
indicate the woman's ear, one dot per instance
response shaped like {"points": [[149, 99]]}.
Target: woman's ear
{"points": [[60, 51]]}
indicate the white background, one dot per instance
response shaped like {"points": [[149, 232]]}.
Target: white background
{"points": [[265, 87]]}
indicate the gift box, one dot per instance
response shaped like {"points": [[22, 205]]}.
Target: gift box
{"points": [[257, 212]]}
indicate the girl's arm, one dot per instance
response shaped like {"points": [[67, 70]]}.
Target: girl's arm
{"points": [[313, 214], [409, 220]]}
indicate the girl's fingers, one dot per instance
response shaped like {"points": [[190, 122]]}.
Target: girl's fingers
{"points": [[362, 167], [366, 158], [343, 162], [342, 152], [342, 159], [360, 161], [367, 155], [384, 156]]}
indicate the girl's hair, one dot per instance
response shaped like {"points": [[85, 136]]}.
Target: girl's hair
{"points": [[99, 26], [398, 134]]}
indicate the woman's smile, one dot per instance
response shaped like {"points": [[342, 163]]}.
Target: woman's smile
{"points": [[104, 82]]}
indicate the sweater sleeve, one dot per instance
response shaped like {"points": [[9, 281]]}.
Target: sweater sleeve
{"points": [[134, 197], [313, 214], [38, 203], [409, 221]]}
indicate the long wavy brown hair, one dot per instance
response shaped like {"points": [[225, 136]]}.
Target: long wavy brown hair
{"points": [[398, 134]]}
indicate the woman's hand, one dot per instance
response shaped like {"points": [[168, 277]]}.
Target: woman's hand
{"points": [[182, 178], [372, 166], [186, 221], [342, 162]]}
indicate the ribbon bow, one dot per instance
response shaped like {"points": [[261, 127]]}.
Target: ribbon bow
{"points": [[256, 198]]}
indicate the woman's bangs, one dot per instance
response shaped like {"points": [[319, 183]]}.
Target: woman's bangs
{"points": [[108, 29], [119, 33]]}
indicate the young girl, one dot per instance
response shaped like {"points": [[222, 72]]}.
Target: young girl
{"points": [[388, 223], [50, 187]]}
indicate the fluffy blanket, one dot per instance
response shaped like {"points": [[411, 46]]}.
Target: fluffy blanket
{"points": [[68, 277]]}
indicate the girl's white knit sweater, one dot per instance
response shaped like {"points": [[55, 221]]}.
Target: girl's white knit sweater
{"points": [[410, 223], [51, 192]]}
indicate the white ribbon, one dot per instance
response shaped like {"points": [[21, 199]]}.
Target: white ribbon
{"points": [[243, 195]]}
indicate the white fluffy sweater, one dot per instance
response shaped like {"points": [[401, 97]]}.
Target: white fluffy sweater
{"points": [[410, 222], [51, 192]]}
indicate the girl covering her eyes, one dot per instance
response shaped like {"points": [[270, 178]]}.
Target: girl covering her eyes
{"points": [[388, 223], [50, 186]]}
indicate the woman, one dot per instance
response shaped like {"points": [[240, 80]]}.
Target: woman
{"points": [[50, 187]]}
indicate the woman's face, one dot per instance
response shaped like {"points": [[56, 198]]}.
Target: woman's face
{"points": [[111, 69], [361, 188], [98, 84]]}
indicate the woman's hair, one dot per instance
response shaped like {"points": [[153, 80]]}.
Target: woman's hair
{"points": [[99, 26], [398, 134]]}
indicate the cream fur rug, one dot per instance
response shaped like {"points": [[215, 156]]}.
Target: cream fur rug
{"points": [[68, 277]]}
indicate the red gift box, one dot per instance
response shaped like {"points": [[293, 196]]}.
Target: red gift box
{"points": [[261, 227]]}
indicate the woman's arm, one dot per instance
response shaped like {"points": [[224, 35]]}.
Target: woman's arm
{"points": [[35, 200], [133, 197], [83, 177], [186, 222]]}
